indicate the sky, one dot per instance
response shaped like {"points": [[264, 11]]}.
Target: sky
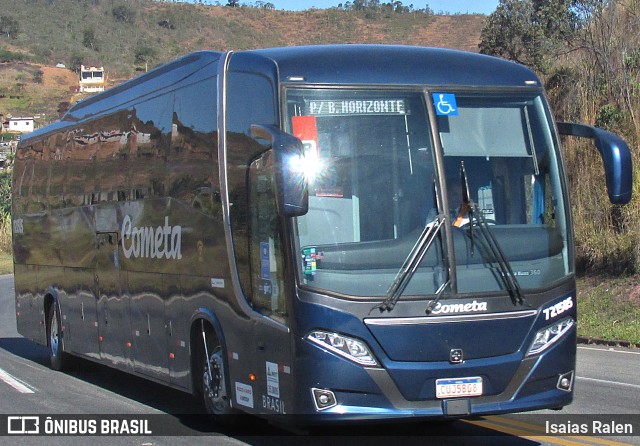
{"points": [[450, 6]]}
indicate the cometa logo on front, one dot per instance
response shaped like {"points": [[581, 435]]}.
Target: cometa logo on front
{"points": [[469, 307]]}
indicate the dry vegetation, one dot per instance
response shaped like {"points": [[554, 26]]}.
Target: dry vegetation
{"points": [[599, 83], [89, 32]]}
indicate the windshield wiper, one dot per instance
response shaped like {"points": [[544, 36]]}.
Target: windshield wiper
{"points": [[508, 277], [432, 304], [411, 263]]}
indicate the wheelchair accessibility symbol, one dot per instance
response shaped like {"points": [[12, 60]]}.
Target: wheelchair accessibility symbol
{"points": [[445, 104]]}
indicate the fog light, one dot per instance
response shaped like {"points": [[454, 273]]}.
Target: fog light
{"points": [[565, 382], [323, 399]]}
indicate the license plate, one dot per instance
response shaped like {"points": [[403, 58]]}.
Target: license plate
{"points": [[458, 387]]}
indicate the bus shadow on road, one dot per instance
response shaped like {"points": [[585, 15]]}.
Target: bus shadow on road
{"points": [[188, 417], [26, 349], [430, 432]]}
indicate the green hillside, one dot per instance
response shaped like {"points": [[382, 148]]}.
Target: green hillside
{"points": [[127, 37]]}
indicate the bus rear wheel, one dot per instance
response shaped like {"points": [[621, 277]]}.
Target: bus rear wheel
{"points": [[57, 356], [214, 388]]}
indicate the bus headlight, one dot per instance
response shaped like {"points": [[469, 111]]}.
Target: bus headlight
{"points": [[549, 335], [353, 349]]}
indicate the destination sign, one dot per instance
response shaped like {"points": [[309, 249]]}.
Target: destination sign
{"points": [[357, 107]]}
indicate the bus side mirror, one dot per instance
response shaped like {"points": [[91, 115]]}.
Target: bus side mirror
{"points": [[615, 154], [292, 189]]}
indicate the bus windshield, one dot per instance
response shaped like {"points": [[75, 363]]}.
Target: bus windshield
{"points": [[374, 165]]}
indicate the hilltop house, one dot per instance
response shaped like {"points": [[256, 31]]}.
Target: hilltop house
{"points": [[18, 124], [92, 79]]}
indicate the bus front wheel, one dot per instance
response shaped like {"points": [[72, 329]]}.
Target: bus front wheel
{"points": [[214, 388]]}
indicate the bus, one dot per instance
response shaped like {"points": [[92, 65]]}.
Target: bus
{"points": [[338, 232]]}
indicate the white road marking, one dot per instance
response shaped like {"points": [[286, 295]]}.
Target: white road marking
{"points": [[604, 381], [15, 383], [610, 350]]}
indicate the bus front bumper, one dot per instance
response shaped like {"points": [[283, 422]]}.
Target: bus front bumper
{"points": [[351, 392]]}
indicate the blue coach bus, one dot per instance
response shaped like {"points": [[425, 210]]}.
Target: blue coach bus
{"points": [[340, 232]]}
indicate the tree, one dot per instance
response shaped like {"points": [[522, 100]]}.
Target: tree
{"points": [[166, 24], [9, 27], [5, 194], [265, 5], [89, 39], [38, 76], [12, 56], [76, 62], [359, 5], [63, 107], [531, 32], [144, 55], [610, 50], [123, 13]]}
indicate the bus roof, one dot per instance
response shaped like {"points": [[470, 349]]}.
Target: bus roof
{"points": [[187, 69], [320, 64], [395, 64]]}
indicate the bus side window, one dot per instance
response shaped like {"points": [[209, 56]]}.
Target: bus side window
{"points": [[193, 177], [267, 264]]}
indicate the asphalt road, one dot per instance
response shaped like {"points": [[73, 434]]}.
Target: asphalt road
{"points": [[607, 382]]}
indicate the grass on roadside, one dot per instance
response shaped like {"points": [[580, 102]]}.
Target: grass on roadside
{"points": [[609, 308], [6, 263]]}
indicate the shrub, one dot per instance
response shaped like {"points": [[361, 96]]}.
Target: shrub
{"points": [[5, 212]]}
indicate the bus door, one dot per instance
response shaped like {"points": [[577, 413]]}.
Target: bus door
{"points": [[268, 293], [113, 312], [256, 230]]}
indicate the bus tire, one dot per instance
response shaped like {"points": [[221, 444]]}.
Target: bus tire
{"points": [[57, 357], [215, 394]]}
